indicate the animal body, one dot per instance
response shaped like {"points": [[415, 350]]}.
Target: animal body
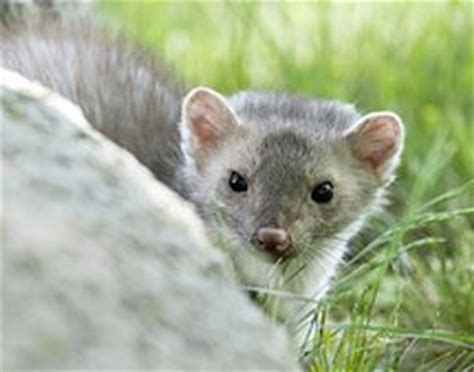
{"points": [[283, 182]]}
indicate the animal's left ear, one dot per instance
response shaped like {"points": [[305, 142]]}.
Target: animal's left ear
{"points": [[377, 141]]}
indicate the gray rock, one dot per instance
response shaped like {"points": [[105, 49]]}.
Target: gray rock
{"points": [[103, 267]]}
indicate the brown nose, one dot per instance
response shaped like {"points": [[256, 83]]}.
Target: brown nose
{"points": [[272, 240]]}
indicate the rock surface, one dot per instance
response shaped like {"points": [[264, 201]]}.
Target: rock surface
{"points": [[102, 266]]}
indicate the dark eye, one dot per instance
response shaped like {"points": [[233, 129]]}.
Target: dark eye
{"points": [[322, 193], [237, 182]]}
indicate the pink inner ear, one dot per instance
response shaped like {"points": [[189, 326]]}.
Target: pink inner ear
{"points": [[208, 118], [202, 130], [377, 141]]}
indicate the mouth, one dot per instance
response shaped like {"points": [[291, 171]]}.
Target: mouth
{"points": [[273, 254], [283, 257]]}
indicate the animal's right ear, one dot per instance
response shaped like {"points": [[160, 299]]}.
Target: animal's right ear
{"points": [[206, 121]]}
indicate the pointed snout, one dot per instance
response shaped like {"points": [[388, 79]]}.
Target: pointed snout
{"points": [[273, 240]]}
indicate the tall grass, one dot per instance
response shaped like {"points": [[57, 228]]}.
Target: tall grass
{"points": [[405, 297]]}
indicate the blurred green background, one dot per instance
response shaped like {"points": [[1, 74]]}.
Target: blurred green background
{"points": [[412, 58]]}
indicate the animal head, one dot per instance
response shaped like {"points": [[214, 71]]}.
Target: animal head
{"points": [[282, 173]]}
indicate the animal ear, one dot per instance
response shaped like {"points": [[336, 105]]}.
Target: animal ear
{"points": [[377, 141], [206, 120]]}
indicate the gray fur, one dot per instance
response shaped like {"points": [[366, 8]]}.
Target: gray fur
{"points": [[284, 146], [276, 110], [130, 97]]}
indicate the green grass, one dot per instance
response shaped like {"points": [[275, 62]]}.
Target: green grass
{"points": [[405, 301]]}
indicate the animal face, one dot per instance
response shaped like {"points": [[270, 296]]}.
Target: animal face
{"points": [[281, 180]]}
